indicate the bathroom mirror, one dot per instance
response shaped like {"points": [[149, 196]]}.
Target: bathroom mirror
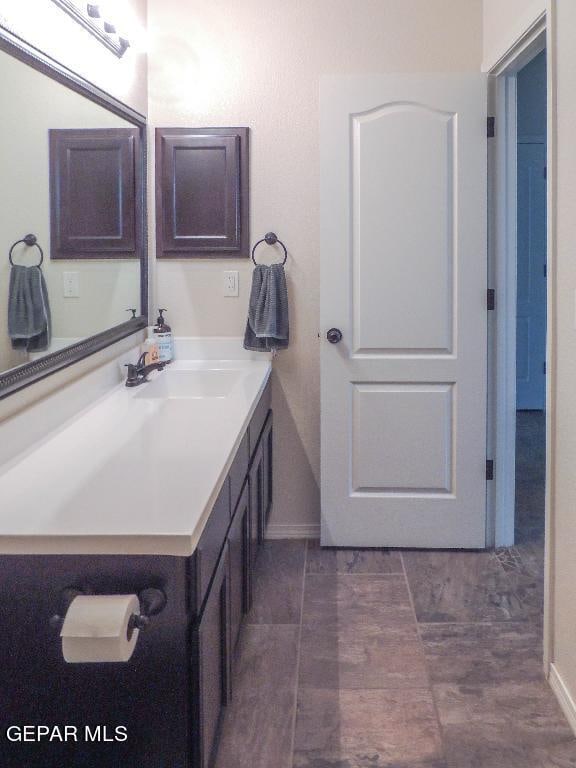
{"points": [[73, 270]]}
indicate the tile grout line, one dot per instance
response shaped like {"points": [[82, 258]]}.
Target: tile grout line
{"points": [[481, 623], [361, 574], [298, 653], [422, 646]]}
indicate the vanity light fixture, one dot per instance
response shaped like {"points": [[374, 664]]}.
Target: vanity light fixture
{"points": [[92, 18]]}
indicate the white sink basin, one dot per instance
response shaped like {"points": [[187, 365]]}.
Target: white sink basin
{"points": [[190, 384]]}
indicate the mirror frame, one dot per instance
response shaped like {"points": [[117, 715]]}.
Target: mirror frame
{"points": [[23, 376]]}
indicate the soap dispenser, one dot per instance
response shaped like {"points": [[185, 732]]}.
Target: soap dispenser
{"points": [[163, 336], [150, 349]]}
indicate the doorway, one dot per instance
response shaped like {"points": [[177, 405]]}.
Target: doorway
{"points": [[531, 302], [517, 271], [520, 205]]}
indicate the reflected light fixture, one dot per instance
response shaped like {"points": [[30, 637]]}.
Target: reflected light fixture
{"points": [[97, 21]]}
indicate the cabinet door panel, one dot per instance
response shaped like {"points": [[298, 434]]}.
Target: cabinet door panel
{"points": [[239, 546], [211, 543], [267, 491], [202, 191], [94, 189], [212, 644], [256, 502], [238, 472], [259, 417]]}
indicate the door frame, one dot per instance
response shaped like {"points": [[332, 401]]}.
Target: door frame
{"points": [[502, 260]]}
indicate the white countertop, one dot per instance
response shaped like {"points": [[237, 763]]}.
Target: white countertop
{"points": [[134, 473]]}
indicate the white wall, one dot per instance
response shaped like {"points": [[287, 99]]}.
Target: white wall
{"points": [[258, 64], [563, 534], [504, 22]]}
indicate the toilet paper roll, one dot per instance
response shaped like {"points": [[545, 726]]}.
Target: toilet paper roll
{"points": [[96, 629]]}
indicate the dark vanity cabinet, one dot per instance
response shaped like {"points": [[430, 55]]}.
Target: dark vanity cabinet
{"points": [[239, 553], [211, 647], [256, 501], [173, 692], [222, 606], [261, 485], [267, 456]]}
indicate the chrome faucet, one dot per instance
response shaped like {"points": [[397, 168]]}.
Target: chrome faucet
{"points": [[138, 374]]}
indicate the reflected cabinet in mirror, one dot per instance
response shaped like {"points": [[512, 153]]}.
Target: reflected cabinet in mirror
{"points": [[72, 218]]}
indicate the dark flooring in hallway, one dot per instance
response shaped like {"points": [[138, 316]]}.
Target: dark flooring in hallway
{"points": [[419, 659]]}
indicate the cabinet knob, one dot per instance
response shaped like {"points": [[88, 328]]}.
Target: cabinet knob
{"points": [[334, 335]]}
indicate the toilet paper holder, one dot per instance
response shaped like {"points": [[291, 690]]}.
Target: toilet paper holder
{"points": [[152, 602]]}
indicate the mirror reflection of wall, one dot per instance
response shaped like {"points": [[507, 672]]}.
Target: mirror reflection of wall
{"points": [[86, 295]]}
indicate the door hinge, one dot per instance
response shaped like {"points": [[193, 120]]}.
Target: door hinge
{"points": [[489, 469], [490, 127], [544, 367], [491, 299], [545, 270]]}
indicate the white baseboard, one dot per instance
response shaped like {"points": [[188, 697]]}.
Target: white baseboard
{"points": [[293, 531], [563, 695]]}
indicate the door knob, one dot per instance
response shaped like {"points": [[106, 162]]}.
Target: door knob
{"points": [[334, 335]]}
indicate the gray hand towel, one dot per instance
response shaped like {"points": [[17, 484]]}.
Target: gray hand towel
{"points": [[28, 309], [267, 328]]}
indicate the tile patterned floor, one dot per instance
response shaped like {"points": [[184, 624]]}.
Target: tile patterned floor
{"points": [[365, 659]]}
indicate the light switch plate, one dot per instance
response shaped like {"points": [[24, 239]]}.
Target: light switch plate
{"points": [[231, 281], [71, 282]]}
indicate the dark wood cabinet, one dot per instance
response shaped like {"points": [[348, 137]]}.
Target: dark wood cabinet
{"points": [[259, 418], [202, 193], [211, 662], [239, 471], [210, 545], [239, 547], [256, 479], [268, 455], [95, 193], [172, 692]]}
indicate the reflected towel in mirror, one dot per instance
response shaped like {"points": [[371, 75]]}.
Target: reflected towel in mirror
{"points": [[29, 321]]}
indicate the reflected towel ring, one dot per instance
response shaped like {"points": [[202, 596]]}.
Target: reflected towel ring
{"points": [[271, 238], [30, 240]]}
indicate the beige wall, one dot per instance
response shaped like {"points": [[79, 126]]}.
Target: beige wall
{"points": [[504, 22], [49, 28], [258, 64], [563, 61]]}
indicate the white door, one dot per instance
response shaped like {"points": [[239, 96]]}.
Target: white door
{"points": [[531, 277], [403, 278]]}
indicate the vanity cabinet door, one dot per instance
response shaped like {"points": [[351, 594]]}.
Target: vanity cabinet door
{"points": [[211, 663], [210, 545], [238, 472], [267, 491], [256, 501], [259, 417], [239, 546]]}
